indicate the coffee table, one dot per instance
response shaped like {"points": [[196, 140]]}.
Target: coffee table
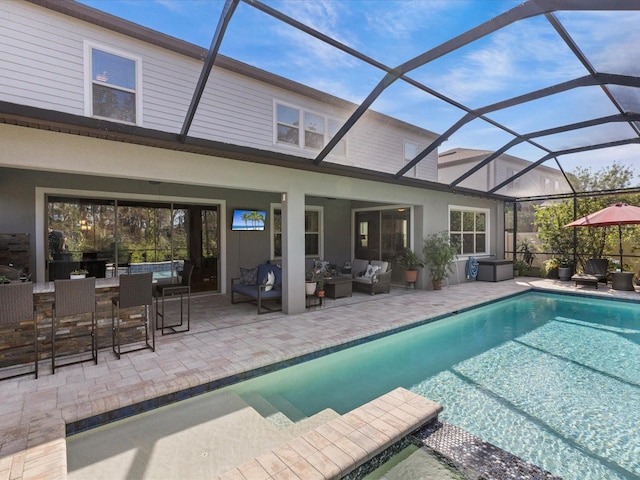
{"points": [[336, 287]]}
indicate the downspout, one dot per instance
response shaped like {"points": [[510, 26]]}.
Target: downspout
{"points": [[515, 229]]}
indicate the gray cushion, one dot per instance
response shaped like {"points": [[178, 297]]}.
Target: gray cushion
{"points": [[358, 267]]}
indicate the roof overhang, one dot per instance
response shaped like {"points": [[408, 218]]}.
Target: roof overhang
{"points": [[33, 117]]}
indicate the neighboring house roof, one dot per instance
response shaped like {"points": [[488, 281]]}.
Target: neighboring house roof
{"points": [[470, 156]]}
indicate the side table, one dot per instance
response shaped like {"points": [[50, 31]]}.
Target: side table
{"points": [[314, 301], [622, 281]]}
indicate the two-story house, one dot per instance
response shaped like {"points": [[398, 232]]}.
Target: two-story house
{"points": [[92, 113]]}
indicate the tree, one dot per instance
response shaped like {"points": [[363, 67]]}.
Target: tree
{"points": [[551, 217]]}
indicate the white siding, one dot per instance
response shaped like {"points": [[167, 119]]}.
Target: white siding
{"points": [[42, 51]]}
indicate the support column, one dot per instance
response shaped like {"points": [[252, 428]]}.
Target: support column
{"points": [[293, 294]]}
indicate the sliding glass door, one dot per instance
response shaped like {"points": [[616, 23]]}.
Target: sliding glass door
{"points": [[383, 235], [110, 237]]}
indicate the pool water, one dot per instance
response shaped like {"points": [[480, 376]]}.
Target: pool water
{"points": [[414, 463], [552, 379]]}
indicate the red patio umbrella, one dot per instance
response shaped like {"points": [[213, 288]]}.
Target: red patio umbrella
{"points": [[618, 214]]}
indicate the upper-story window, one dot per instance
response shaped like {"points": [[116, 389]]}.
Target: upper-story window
{"points": [[515, 184], [288, 124], [545, 184], [313, 130], [315, 133], [113, 85], [410, 152]]}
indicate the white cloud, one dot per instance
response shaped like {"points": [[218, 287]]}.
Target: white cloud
{"points": [[175, 6], [400, 20]]}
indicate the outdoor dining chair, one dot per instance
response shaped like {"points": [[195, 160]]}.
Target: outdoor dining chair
{"points": [[73, 298], [136, 290], [18, 323], [167, 290]]}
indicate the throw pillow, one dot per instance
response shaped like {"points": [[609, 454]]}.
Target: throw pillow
{"points": [[371, 271], [248, 276], [271, 279]]}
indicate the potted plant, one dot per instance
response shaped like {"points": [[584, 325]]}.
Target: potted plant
{"points": [[80, 273], [439, 254], [519, 267], [410, 262], [565, 267], [310, 287], [318, 275], [4, 279]]}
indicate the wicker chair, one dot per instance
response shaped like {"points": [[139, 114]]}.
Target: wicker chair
{"points": [[136, 290], [74, 298], [379, 282], [167, 290], [17, 313]]}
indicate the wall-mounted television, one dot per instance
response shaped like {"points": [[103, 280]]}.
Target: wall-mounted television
{"points": [[248, 220]]}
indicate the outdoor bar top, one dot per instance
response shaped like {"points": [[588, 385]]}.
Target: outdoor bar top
{"points": [[101, 283]]}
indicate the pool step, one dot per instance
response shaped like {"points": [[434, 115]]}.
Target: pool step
{"points": [[265, 408], [282, 415], [283, 405], [346, 442]]}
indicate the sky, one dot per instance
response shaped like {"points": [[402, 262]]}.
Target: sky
{"points": [[522, 57]]}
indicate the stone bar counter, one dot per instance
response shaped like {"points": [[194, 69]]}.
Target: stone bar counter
{"points": [[43, 297]]}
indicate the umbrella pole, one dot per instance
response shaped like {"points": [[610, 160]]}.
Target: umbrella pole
{"points": [[620, 236]]}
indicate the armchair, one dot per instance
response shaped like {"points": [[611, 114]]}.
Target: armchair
{"points": [[372, 278]]}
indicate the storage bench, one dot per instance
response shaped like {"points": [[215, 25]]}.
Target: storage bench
{"points": [[495, 270]]}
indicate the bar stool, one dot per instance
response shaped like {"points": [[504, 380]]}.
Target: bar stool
{"points": [[168, 290], [73, 298], [136, 290], [16, 311]]}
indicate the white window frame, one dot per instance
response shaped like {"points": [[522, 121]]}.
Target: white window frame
{"points": [[514, 184], [341, 152], [307, 208], [88, 80], [413, 172], [487, 239], [545, 184]]}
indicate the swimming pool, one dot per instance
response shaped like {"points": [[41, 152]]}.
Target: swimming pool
{"points": [[553, 379]]}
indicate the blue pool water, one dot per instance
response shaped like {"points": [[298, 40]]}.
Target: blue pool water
{"points": [[553, 379]]}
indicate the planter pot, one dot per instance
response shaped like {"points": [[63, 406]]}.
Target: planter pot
{"points": [[320, 293], [410, 276], [437, 284], [564, 273], [310, 288], [77, 276]]}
